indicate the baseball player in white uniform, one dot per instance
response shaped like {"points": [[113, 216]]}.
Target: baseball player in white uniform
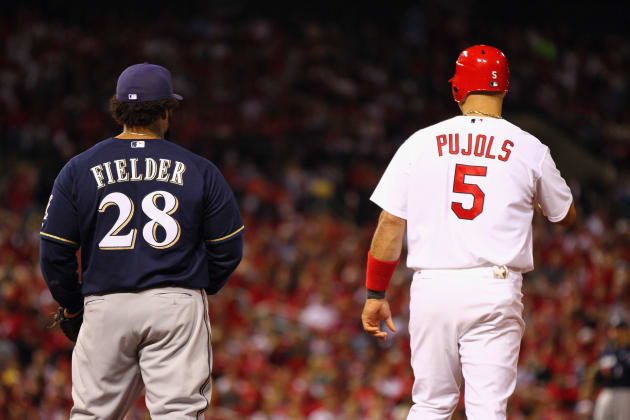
{"points": [[464, 191]]}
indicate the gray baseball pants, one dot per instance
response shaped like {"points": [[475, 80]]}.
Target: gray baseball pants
{"points": [[612, 404], [156, 340]]}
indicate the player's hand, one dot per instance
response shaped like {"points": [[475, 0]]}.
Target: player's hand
{"points": [[69, 323], [375, 311]]}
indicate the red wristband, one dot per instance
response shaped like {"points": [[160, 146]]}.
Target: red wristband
{"points": [[379, 273]]}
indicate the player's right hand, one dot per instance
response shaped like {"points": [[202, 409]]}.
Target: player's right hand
{"points": [[375, 311]]}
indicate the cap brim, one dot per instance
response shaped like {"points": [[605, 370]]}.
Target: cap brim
{"points": [[178, 97]]}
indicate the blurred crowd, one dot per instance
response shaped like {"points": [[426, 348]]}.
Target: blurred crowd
{"points": [[302, 113]]}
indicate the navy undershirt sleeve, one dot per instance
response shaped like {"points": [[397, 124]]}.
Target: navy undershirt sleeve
{"points": [[223, 258], [223, 228], [59, 267]]}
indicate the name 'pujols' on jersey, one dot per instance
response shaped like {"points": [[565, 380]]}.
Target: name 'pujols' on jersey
{"points": [[128, 170], [479, 145]]}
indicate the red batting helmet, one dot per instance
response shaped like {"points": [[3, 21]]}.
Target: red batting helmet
{"points": [[480, 68]]}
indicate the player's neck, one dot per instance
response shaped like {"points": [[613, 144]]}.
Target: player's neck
{"points": [[148, 132], [483, 105]]}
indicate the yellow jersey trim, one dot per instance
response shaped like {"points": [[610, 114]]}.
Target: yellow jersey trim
{"points": [[59, 238], [226, 236]]}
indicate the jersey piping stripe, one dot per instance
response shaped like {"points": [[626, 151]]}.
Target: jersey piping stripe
{"points": [[226, 236], [59, 238]]}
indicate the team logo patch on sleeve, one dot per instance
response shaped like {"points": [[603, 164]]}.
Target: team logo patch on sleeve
{"points": [[139, 144]]}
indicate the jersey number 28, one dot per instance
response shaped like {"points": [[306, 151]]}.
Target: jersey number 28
{"points": [[159, 217], [459, 186]]}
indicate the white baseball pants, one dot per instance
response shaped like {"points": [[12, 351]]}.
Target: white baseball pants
{"points": [[464, 325], [158, 339]]}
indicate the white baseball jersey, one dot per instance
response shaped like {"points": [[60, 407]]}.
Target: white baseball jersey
{"points": [[467, 187]]}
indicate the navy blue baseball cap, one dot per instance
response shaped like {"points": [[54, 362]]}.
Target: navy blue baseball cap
{"points": [[145, 82]]}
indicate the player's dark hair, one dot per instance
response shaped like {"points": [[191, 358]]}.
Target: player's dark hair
{"points": [[140, 114]]}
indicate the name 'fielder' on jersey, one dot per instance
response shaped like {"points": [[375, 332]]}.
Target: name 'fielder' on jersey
{"points": [[158, 228], [464, 191]]}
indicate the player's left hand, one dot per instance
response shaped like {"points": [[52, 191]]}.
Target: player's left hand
{"points": [[375, 311], [70, 324]]}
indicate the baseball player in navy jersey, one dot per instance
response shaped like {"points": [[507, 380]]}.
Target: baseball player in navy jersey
{"points": [[158, 228], [464, 191]]}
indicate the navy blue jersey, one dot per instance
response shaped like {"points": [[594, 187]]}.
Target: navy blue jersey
{"points": [[142, 212], [614, 367]]}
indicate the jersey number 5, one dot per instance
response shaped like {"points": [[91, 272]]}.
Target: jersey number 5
{"points": [[159, 217], [459, 186]]}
